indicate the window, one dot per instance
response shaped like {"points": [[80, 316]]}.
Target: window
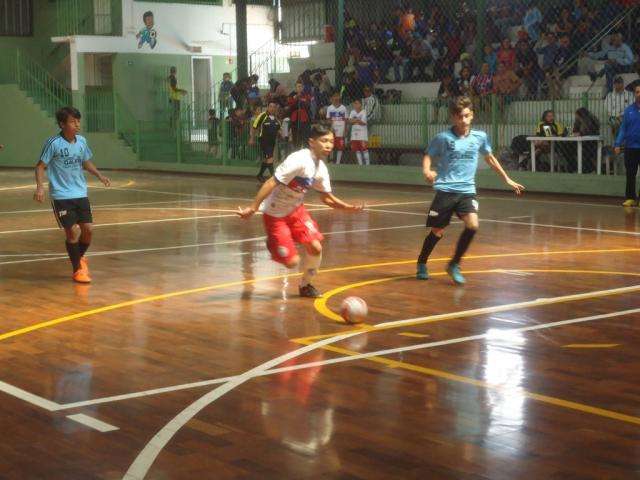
{"points": [[16, 18], [190, 2]]}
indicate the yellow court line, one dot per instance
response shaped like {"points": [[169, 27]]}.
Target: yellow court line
{"points": [[320, 304], [413, 335], [153, 298], [559, 402], [591, 345]]}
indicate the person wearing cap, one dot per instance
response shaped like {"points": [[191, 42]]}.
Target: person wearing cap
{"points": [[629, 137], [616, 101]]}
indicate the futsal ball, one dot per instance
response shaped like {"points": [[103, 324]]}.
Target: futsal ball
{"points": [[354, 310]]}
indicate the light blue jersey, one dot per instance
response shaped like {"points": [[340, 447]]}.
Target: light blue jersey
{"points": [[64, 163], [458, 159]]}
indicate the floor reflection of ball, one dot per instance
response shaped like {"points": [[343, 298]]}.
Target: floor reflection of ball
{"points": [[354, 310]]}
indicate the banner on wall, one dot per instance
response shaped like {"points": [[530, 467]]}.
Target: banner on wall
{"points": [[148, 33]]}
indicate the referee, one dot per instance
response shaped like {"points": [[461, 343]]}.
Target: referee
{"points": [[629, 137], [267, 127]]}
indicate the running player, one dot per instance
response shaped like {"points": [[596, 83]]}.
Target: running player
{"points": [[359, 132], [286, 220], [64, 156], [337, 115], [267, 127], [456, 151]]}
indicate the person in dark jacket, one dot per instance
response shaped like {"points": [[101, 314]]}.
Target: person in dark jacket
{"points": [[629, 138]]}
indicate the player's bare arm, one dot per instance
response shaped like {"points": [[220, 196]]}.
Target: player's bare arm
{"points": [[429, 174], [39, 195], [334, 202], [264, 192], [495, 165], [93, 170]]}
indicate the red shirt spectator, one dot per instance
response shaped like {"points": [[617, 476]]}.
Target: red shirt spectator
{"points": [[300, 103], [507, 54]]}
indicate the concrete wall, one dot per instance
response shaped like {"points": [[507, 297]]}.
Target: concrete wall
{"points": [[24, 132]]}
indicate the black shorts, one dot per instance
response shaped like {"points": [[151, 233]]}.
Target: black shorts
{"points": [[267, 147], [445, 204], [71, 211]]}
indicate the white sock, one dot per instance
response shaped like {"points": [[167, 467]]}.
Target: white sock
{"points": [[359, 157], [366, 157], [338, 157], [310, 266]]}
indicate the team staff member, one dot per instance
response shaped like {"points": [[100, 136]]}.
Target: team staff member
{"points": [[267, 127]]}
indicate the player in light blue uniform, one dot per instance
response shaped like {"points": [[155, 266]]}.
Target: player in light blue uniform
{"points": [[457, 151], [65, 156]]}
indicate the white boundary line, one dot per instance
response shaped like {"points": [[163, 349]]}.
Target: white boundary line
{"points": [[526, 224], [105, 206], [61, 256], [91, 422], [147, 456]]}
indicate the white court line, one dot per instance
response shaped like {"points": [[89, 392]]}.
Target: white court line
{"points": [[21, 187], [179, 194], [100, 207], [62, 256], [29, 397], [519, 216], [91, 422], [526, 224], [145, 459]]}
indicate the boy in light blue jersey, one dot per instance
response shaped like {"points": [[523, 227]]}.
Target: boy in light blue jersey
{"points": [[64, 157], [457, 151]]}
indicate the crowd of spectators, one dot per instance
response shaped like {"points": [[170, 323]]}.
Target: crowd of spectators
{"points": [[436, 44]]}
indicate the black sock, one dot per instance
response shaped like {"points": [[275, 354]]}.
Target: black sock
{"points": [[463, 244], [270, 168], [83, 247], [427, 247], [74, 255]]}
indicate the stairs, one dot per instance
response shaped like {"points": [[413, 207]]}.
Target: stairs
{"points": [[321, 55]]}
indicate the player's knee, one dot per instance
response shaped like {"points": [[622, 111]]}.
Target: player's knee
{"points": [[314, 248], [86, 228], [438, 232], [473, 225], [293, 262]]}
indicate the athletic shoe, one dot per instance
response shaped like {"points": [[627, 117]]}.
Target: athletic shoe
{"points": [[422, 273], [84, 264], [454, 272], [309, 291], [81, 276], [629, 203]]}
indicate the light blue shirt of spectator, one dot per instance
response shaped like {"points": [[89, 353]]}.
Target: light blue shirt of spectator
{"points": [[532, 21], [621, 54]]}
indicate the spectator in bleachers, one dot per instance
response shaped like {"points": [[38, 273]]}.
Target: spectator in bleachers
{"points": [[277, 93], [464, 82], [507, 54], [618, 59], [419, 60], [300, 106], [481, 88], [559, 69], [616, 102], [491, 58], [532, 21], [582, 35], [578, 10], [224, 96], [351, 89], [549, 52], [505, 20], [527, 67], [371, 105], [636, 83], [448, 90], [547, 127], [506, 85], [407, 24], [564, 24]]}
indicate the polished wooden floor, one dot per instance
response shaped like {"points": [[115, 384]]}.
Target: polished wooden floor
{"points": [[191, 357]]}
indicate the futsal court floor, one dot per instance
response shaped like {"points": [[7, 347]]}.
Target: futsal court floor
{"points": [[190, 356]]}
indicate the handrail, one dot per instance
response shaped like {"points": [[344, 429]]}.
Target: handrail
{"points": [[40, 84]]}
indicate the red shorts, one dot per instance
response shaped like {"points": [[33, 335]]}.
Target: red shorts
{"points": [[283, 233], [359, 146], [338, 143]]}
